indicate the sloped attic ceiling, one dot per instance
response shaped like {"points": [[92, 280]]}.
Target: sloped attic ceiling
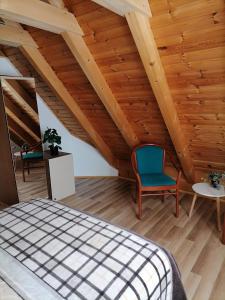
{"points": [[191, 42]]}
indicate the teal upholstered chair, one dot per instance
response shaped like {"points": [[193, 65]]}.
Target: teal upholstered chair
{"points": [[32, 154], [148, 161]]}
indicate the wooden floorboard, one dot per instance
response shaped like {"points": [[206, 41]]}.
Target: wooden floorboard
{"points": [[195, 243]]}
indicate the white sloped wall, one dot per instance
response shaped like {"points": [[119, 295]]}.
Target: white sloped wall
{"points": [[87, 160]]}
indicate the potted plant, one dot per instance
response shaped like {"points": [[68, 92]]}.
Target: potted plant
{"points": [[54, 140], [25, 147], [215, 178]]}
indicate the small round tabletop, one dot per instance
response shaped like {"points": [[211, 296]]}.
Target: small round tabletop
{"points": [[205, 189]]}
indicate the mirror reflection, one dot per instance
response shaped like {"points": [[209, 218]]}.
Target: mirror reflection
{"points": [[25, 136]]}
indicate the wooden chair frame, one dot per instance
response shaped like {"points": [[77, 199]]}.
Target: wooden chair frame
{"points": [[26, 162], [143, 190]]}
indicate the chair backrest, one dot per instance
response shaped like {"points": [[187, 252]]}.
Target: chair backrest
{"points": [[148, 159]]}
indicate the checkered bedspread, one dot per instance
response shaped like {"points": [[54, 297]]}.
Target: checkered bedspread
{"points": [[78, 256]]}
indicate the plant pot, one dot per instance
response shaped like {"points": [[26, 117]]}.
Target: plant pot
{"points": [[215, 184], [54, 150]]}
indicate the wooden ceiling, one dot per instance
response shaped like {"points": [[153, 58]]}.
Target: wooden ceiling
{"points": [[21, 109], [190, 40]]}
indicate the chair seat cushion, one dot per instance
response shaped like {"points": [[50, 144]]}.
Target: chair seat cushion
{"points": [[33, 155], [156, 179]]}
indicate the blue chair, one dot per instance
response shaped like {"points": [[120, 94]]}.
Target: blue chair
{"points": [[148, 161]]}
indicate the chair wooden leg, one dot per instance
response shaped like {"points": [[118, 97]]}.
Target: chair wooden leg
{"points": [[193, 205], [28, 167], [223, 237], [135, 193], [163, 197], [23, 171], [218, 214], [139, 200], [177, 204]]}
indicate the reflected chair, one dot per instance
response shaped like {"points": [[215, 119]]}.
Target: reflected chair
{"points": [[148, 161], [32, 154]]}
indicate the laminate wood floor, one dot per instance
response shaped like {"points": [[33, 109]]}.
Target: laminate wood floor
{"points": [[35, 185], [195, 243]]}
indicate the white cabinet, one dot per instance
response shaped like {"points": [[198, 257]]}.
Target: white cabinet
{"points": [[60, 175]]}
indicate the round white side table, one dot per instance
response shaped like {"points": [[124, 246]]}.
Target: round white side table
{"points": [[204, 189]]}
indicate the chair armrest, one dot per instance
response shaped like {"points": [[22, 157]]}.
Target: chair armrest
{"points": [[138, 178], [179, 173], [135, 169]]}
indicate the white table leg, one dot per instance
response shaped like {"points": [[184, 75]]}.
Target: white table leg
{"points": [[218, 213], [193, 204]]}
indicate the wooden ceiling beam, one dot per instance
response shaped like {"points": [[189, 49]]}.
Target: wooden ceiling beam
{"points": [[85, 59], [21, 98], [23, 123], [40, 15], [20, 132], [57, 3], [15, 138], [17, 88], [15, 36], [143, 36], [21, 115], [122, 7]]}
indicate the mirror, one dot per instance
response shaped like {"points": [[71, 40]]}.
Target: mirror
{"points": [[19, 96]]}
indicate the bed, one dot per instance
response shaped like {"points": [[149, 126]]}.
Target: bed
{"points": [[51, 251]]}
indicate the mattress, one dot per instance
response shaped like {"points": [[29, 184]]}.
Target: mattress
{"points": [[51, 251]]}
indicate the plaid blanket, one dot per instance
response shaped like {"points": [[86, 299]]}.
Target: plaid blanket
{"points": [[50, 251]]}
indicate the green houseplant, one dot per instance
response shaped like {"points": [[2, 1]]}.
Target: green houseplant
{"points": [[53, 139], [215, 178]]}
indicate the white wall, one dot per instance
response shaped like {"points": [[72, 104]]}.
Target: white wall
{"points": [[7, 68], [87, 160]]}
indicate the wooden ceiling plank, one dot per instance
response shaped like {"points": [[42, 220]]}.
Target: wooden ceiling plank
{"points": [[21, 123], [145, 42], [40, 15], [15, 138], [20, 131], [22, 115], [21, 98], [123, 7], [85, 59], [46, 72]]}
